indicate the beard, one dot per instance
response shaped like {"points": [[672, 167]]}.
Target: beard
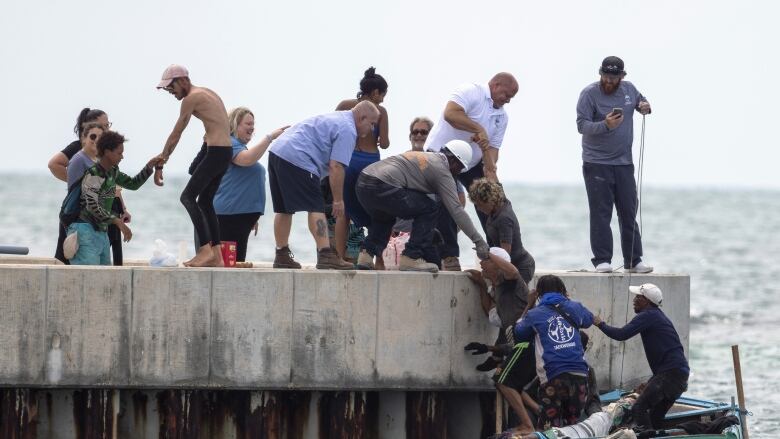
{"points": [[608, 87]]}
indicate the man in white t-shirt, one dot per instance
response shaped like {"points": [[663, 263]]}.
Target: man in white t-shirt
{"points": [[474, 113]]}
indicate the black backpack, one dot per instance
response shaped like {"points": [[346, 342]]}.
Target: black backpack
{"points": [[71, 205]]}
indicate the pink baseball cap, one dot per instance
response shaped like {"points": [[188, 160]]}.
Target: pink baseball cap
{"points": [[172, 72]]}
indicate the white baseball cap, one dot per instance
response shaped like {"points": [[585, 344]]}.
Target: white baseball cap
{"points": [[501, 253], [650, 291]]}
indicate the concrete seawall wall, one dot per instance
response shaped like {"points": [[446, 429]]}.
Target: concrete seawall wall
{"points": [[261, 329]]}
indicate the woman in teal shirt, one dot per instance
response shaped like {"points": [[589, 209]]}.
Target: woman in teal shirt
{"points": [[240, 200]]}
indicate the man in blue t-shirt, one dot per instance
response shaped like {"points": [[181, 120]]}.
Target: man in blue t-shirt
{"points": [[298, 160], [605, 113], [553, 326], [664, 353]]}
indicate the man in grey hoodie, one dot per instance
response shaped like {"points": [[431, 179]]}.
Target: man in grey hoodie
{"points": [[398, 187]]}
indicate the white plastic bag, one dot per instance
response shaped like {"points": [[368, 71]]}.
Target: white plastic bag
{"points": [[161, 257], [71, 245], [392, 253]]}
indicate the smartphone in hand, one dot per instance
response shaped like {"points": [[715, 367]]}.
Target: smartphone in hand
{"points": [[618, 111]]}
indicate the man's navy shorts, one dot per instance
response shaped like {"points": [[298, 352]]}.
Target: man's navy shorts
{"points": [[293, 189]]}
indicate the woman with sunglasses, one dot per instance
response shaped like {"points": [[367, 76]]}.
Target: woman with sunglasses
{"points": [[58, 164], [373, 88], [87, 156]]}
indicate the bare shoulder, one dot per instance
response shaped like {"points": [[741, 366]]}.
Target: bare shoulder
{"points": [[382, 110], [346, 104]]}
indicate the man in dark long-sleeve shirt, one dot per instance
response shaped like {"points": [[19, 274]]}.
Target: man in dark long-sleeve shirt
{"points": [[664, 354]]}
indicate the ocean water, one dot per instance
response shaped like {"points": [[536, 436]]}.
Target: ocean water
{"points": [[727, 241]]}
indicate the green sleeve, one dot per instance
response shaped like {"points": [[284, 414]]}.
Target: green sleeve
{"points": [[133, 183]]}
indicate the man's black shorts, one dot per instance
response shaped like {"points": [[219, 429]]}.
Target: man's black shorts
{"points": [[293, 189], [518, 369]]}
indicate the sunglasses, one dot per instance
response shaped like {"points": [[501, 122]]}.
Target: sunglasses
{"points": [[419, 132]]}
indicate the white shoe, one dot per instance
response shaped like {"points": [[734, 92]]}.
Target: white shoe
{"points": [[641, 267], [604, 267]]}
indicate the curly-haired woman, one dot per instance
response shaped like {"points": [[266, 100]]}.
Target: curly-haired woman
{"points": [[501, 227]]}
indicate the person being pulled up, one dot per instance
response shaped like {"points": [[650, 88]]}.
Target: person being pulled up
{"points": [[504, 308]]}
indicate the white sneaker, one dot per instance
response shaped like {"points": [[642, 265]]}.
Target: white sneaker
{"points": [[604, 267], [641, 267]]}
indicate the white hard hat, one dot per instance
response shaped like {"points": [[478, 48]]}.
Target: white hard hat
{"points": [[461, 150]]}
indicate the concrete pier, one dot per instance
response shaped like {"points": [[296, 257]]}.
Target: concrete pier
{"points": [[278, 340]]}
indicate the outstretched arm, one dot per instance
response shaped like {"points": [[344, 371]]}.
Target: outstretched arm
{"points": [[251, 155], [456, 116], [632, 328], [489, 163], [187, 108], [336, 172], [484, 298]]}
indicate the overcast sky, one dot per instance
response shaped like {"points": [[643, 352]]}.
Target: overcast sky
{"points": [[709, 69]]}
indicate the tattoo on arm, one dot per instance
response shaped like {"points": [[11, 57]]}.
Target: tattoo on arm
{"points": [[322, 229]]}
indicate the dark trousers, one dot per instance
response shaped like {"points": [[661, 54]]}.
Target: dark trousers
{"points": [[607, 186], [115, 241], [236, 228], [384, 203], [115, 235], [658, 397], [447, 226], [198, 195], [59, 253]]}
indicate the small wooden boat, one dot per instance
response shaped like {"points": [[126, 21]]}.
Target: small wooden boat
{"points": [[688, 409]]}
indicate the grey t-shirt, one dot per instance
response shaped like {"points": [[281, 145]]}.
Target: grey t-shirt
{"points": [[511, 300], [428, 173], [503, 226], [599, 144], [77, 166]]}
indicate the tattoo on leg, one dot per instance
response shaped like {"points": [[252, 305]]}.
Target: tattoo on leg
{"points": [[321, 228]]}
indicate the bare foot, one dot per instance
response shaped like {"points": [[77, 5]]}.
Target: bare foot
{"points": [[217, 251], [203, 258], [524, 430]]}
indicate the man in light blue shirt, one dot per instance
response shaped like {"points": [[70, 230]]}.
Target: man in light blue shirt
{"points": [[309, 151], [605, 113]]}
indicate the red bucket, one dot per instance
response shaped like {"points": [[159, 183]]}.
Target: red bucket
{"points": [[229, 253]]}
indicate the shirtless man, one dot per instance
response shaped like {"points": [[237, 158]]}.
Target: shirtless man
{"points": [[198, 195]]}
